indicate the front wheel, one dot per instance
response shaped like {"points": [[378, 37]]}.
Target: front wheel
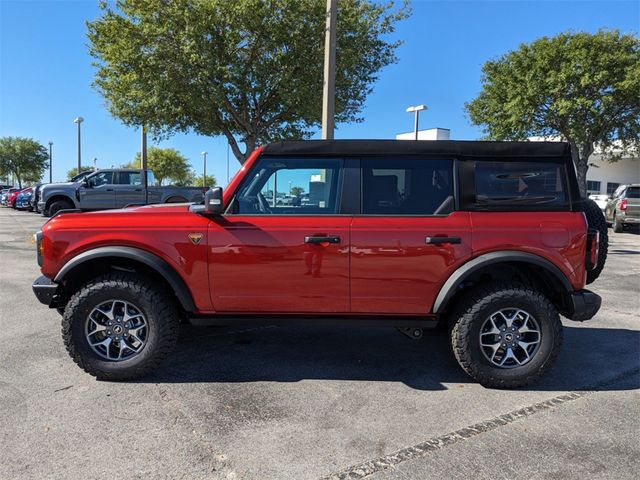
{"points": [[617, 225], [506, 335], [120, 326]]}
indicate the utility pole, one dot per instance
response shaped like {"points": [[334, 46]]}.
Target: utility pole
{"points": [[143, 161], [204, 169], [51, 162], [329, 85], [416, 111], [78, 121], [95, 164]]}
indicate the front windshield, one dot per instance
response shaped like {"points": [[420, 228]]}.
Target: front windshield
{"points": [[81, 175]]}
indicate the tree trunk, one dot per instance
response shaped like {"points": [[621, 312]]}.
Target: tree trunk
{"points": [[580, 157]]}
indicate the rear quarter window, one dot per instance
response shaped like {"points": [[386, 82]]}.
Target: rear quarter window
{"points": [[520, 186]]}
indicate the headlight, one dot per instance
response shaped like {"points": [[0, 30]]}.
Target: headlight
{"points": [[39, 247]]}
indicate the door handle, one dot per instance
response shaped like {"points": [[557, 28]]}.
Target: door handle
{"points": [[316, 240], [440, 240], [138, 190], [108, 189]]}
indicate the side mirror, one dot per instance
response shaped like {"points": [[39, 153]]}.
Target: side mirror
{"points": [[86, 183], [213, 201]]}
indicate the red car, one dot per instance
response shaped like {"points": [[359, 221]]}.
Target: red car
{"points": [[492, 239], [11, 198]]}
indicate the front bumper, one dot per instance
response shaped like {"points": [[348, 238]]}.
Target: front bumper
{"points": [[584, 305], [45, 290]]}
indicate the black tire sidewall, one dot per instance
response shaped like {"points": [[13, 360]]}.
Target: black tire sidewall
{"points": [[78, 318], [57, 206], [549, 343]]}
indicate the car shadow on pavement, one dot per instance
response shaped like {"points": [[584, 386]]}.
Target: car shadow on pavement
{"points": [[589, 357]]}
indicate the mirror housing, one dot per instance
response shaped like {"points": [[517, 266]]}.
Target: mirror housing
{"points": [[213, 201], [86, 183]]}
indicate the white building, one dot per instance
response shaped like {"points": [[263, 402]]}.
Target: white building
{"points": [[605, 177], [602, 177], [429, 134]]}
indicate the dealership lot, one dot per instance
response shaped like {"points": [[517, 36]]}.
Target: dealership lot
{"points": [[313, 402]]}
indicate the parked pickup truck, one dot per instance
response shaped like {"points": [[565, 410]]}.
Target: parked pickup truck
{"points": [[108, 189], [624, 207], [491, 240]]}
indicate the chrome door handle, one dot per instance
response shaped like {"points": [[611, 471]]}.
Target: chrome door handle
{"points": [[440, 240]]}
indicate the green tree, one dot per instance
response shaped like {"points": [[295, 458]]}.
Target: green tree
{"points": [[251, 70], [74, 171], [582, 87], [24, 158], [196, 181], [166, 164], [297, 191]]}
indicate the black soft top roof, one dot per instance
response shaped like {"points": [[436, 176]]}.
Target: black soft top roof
{"points": [[457, 148]]}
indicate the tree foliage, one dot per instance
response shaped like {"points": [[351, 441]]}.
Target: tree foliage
{"points": [[166, 164], [251, 70], [297, 191], [582, 87], [74, 171], [196, 181], [24, 158]]}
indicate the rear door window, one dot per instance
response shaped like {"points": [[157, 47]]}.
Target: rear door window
{"points": [[520, 185], [407, 186]]}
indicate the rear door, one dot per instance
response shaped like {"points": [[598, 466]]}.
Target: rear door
{"points": [[408, 238], [130, 188], [271, 255]]}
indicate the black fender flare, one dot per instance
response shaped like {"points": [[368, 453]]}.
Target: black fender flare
{"points": [[149, 259], [59, 194], [464, 271]]}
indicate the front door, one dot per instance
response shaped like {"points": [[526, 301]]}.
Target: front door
{"points": [[408, 238], [282, 245], [98, 192]]}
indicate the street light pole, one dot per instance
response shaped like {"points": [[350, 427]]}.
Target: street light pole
{"points": [[416, 110], [78, 121], [204, 169], [329, 85], [50, 162]]}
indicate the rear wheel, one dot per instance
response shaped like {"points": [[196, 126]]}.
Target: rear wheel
{"points": [[596, 219], [506, 335], [120, 326]]}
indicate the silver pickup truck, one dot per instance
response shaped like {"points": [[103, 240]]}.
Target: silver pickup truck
{"points": [[111, 188], [624, 207]]}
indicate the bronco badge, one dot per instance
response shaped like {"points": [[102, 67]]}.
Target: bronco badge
{"points": [[195, 238]]}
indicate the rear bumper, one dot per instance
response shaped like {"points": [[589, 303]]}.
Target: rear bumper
{"points": [[584, 305], [45, 290], [627, 219]]}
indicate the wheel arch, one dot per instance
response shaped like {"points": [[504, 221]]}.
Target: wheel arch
{"points": [[59, 196], [126, 258], [535, 270]]}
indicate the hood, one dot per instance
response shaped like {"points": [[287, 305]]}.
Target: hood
{"points": [[167, 214], [49, 186]]}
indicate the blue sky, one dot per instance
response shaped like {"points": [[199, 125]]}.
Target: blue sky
{"points": [[46, 73]]}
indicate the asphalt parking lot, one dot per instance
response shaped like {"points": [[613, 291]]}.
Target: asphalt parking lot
{"points": [[314, 402]]}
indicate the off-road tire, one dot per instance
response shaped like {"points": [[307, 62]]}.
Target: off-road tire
{"points": [[58, 205], [618, 226], [596, 219], [157, 306], [476, 306]]}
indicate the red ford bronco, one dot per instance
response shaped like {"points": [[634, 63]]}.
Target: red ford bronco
{"points": [[491, 239]]}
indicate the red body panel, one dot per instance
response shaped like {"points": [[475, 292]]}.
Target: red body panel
{"points": [[394, 270], [160, 229], [559, 237], [262, 264]]}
